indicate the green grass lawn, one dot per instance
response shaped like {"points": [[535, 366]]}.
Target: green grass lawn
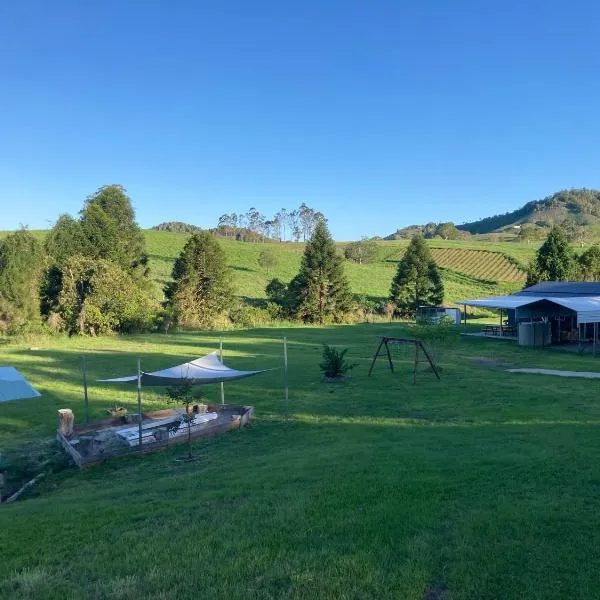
{"points": [[481, 486]]}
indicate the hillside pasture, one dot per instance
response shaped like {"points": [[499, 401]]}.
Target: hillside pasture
{"points": [[483, 485], [467, 273], [480, 264]]}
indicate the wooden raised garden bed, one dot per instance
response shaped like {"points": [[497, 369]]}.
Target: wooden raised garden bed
{"points": [[91, 443]]}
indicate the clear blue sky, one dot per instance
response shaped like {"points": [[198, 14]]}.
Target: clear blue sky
{"points": [[378, 113]]}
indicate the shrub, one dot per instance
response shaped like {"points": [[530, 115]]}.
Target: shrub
{"points": [[276, 291], [246, 316], [334, 364]]}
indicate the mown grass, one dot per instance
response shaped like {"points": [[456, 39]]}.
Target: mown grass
{"points": [[483, 485]]}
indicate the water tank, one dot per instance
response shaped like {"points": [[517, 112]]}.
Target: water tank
{"points": [[535, 334]]}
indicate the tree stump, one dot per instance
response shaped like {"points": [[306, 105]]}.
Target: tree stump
{"points": [[66, 419]]}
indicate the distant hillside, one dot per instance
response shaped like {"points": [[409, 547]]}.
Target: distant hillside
{"points": [[177, 227], [578, 210], [469, 268], [576, 206]]}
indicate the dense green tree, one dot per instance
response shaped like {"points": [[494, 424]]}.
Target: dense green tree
{"points": [[66, 239], [98, 296], [277, 293], [108, 223], [529, 233], [362, 252], [589, 264], [102, 235], [177, 227], [554, 261], [201, 288], [447, 231], [267, 259], [320, 291], [417, 281], [105, 231], [21, 269]]}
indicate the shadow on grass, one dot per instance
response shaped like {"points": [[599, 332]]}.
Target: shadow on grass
{"points": [[468, 393]]}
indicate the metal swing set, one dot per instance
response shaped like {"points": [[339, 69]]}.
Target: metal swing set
{"points": [[397, 343]]}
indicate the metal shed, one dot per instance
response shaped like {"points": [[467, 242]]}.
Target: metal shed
{"points": [[571, 308]]}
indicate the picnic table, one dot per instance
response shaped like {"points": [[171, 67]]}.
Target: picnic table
{"points": [[499, 330]]}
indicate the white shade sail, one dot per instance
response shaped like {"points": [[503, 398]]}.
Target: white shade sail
{"points": [[13, 386], [207, 369]]}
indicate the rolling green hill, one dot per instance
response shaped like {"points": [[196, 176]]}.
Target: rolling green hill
{"points": [[578, 206], [469, 269], [578, 210]]}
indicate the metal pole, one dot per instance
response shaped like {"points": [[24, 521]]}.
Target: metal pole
{"points": [[139, 400], [595, 335], [221, 359], [285, 377], [85, 392]]}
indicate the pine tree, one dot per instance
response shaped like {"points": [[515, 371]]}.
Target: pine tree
{"points": [[22, 263], [66, 239], [108, 222], [589, 264], [201, 288], [320, 291], [554, 261], [417, 281]]}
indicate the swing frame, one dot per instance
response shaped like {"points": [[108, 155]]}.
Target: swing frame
{"points": [[419, 347]]}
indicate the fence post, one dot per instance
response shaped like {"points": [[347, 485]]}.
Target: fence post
{"points": [[285, 377], [139, 400], [221, 359]]}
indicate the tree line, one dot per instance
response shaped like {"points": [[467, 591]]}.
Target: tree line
{"points": [[90, 277], [556, 260], [286, 225], [320, 291]]}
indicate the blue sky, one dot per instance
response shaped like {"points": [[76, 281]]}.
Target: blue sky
{"points": [[378, 113]]}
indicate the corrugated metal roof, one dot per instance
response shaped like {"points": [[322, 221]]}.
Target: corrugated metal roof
{"points": [[586, 307], [513, 301], [562, 289]]}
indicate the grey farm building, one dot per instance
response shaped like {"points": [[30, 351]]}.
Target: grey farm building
{"points": [[565, 311]]}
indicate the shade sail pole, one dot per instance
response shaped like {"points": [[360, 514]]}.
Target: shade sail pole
{"points": [[139, 400], [285, 377], [85, 392], [221, 359]]}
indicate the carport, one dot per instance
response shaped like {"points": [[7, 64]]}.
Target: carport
{"points": [[572, 319]]}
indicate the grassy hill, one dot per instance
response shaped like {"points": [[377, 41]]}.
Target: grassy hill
{"points": [[579, 206], [578, 210], [469, 269], [483, 485]]}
